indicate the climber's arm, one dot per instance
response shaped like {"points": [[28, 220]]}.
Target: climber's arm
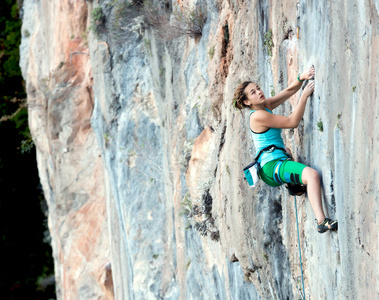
{"points": [[262, 120], [284, 95]]}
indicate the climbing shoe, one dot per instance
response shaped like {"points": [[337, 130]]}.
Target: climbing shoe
{"points": [[327, 224]]}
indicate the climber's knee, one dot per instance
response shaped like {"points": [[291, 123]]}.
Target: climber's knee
{"points": [[310, 175]]}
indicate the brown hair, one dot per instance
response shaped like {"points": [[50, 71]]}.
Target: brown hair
{"points": [[240, 96]]}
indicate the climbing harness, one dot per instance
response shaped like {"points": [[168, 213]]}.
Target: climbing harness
{"points": [[252, 170], [301, 264], [296, 189]]}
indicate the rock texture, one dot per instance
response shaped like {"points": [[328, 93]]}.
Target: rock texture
{"points": [[56, 65], [140, 151]]}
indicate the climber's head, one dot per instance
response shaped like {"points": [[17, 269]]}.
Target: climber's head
{"points": [[248, 95], [240, 96]]}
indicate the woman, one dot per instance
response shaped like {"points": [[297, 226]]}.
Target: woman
{"points": [[276, 168]]}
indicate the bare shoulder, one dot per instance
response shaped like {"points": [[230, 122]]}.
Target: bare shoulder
{"points": [[258, 120], [259, 115]]}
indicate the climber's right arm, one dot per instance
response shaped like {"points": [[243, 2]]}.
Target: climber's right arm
{"points": [[284, 95], [263, 120]]}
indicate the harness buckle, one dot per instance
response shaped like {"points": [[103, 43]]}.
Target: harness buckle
{"points": [[272, 149]]}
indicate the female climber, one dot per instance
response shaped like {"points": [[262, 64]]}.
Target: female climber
{"points": [[276, 168]]}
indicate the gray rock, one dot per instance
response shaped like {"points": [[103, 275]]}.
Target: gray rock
{"points": [[168, 149]]}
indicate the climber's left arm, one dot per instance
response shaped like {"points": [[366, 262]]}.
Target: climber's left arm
{"points": [[284, 95]]}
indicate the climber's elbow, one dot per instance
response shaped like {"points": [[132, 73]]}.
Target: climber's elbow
{"points": [[293, 122], [296, 124]]}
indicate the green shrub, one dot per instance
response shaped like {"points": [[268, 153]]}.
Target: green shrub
{"points": [[97, 21], [268, 42], [211, 52], [97, 15], [320, 126], [272, 91]]}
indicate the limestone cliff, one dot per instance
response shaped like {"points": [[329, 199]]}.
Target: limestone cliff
{"points": [[140, 151]]}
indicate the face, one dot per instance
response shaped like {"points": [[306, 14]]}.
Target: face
{"points": [[254, 95]]}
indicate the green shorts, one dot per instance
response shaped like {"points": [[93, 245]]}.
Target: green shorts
{"points": [[289, 172]]}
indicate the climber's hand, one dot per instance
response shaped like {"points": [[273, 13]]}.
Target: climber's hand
{"points": [[309, 88], [308, 74]]}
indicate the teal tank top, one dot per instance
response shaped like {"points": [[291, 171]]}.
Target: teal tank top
{"points": [[271, 136]]}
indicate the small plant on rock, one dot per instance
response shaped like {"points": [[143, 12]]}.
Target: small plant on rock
{"points": [[186, 205], [268, 42], [320, 126], [211, 52], [97, 21], [188, 264], [265, 256], [186, 154], [339, 121], [272, 91]]}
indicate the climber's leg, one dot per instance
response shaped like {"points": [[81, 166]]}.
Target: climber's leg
{"points": [[311, 178], [277, 172]]}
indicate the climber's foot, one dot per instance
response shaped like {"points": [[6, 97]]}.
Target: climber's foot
{"points": [[327, 224]]}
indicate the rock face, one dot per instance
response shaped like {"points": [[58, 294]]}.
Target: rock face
{"points": [[56, 65], [140, 151]]}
